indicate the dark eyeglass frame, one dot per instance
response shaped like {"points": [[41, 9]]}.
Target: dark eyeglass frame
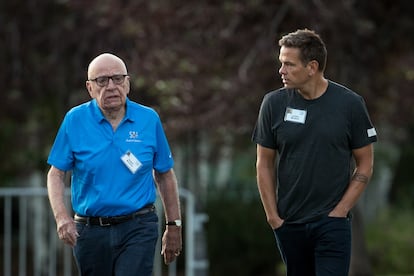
{"points": [[104, 80]]}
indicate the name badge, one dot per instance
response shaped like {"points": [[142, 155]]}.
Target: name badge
{"points": [[131, 162], [295, 115]]}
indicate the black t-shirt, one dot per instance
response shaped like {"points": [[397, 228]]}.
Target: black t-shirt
{"points": [[314, 140]]}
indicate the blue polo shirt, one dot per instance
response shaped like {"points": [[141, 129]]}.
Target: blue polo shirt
{"points": [[102, 185]]}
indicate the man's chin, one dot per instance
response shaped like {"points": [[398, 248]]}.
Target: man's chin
{"points": [[113, 103], [112, 107]]}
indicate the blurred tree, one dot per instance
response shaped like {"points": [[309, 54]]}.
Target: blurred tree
{"points": [[193, 61]]}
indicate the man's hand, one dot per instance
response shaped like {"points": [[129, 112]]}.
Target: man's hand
{"points": [[171, 243], [276, 223], [66, 229]]}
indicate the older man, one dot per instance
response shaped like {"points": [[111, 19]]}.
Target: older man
{"points": [[117, 152]]}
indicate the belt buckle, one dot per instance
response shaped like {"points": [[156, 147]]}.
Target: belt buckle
{"points": [[101, 223]]}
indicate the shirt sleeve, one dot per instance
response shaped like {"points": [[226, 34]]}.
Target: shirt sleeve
{"points": [[263, 133], [60, 155], [363, 131], [163, 160]]}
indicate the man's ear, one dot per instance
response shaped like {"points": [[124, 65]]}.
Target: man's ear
{"points": [[128, 85], [89, 88], [313, 67]]}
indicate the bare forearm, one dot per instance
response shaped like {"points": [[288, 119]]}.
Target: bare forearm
{"points": [[168, 188], [267, 191], [266, 183], [364, 167], [56, 193], [171, 239], [65, 225], [356, 187]]}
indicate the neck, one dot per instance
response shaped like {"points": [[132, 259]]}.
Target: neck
{"points": [[114, 117], [315, 89]]}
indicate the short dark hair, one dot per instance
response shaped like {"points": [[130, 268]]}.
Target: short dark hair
{"points": [[310, 45]]}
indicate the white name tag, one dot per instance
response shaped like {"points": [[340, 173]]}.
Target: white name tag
{"points": [[295, 115], [132, 163]]}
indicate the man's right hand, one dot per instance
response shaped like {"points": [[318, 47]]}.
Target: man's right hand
{"points": [[276, 222], [66, 229]]}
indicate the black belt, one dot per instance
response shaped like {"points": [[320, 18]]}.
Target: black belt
{"points": [[107, 221]]}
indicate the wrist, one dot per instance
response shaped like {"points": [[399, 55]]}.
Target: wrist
{"points": [[176, 223]]}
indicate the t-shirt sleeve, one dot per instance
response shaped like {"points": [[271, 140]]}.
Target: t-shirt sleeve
{"points": [[263, 133], [363, 131]]}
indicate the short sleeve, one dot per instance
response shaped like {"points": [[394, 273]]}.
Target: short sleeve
{"points": [[362, 130], [263, 133], [61, 155], [163, 160]]}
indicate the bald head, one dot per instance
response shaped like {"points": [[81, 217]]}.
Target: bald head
{"points": [[106, 64]]}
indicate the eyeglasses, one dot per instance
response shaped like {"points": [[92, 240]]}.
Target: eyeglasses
{"points": [[104, 80]]}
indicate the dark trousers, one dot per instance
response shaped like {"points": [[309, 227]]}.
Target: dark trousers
{"points": [[123, 249], [319, 248]]}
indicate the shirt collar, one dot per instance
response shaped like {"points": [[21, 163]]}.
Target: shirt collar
{"points": [[128, 112], [98, 115]]}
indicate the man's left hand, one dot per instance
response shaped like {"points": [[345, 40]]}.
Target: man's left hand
{"points": [[171, 243]]}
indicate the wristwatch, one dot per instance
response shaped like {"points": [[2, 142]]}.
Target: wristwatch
{"points": [[176, 222]]}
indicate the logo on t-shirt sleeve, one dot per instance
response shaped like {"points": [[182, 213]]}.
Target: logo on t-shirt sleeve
{"points": [[371, 132]]}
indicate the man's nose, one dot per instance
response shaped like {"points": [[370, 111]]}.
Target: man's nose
{"points": [[282, 70], [110, 83]]}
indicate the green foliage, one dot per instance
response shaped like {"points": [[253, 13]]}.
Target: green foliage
{"points": [[390, 242], [240, 242], [402, 190], [200, 63]]}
